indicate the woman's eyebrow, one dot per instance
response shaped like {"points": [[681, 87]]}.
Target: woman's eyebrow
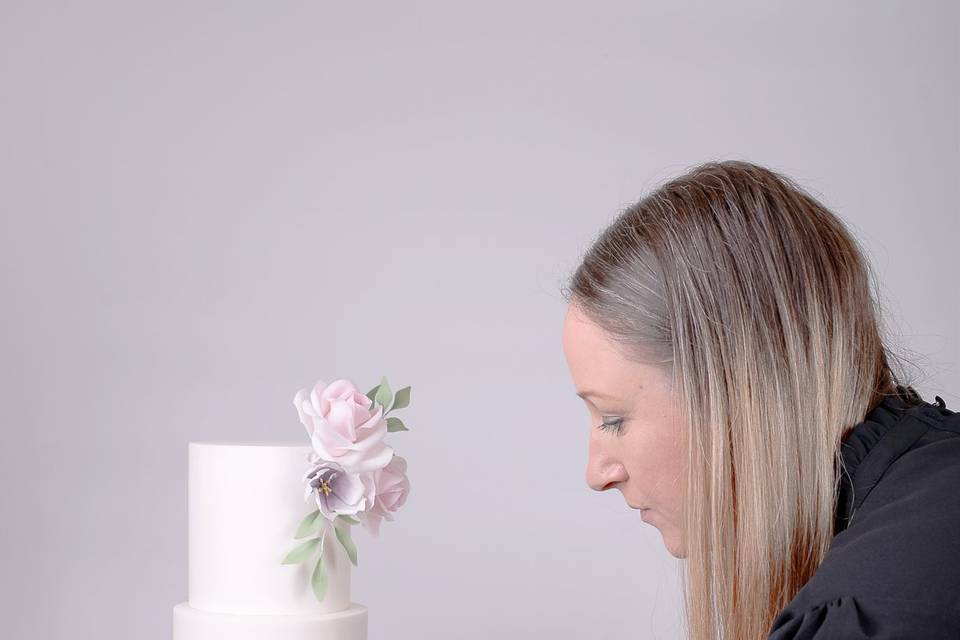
{"points": [[595, 394]]}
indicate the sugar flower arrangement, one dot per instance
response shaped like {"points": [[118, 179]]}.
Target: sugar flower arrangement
{"points": [[351, 470]]}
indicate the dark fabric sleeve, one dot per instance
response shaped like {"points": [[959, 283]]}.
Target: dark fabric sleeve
{"points": [[855, 618]]}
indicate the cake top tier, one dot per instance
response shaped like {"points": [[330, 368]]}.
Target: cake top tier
{"points": [[245, 502]]}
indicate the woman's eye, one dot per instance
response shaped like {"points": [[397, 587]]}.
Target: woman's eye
{"points": [[611, 423]]}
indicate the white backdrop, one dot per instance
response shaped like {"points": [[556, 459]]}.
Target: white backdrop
{"points": [[207, 206]]}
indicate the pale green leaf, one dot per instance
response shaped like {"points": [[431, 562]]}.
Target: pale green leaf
{"points": [[301, 552], [343, 535], [372, 394], [318, 581], [395, 424], [310, 523], [349, 519], [401, 399], [384, 395]]}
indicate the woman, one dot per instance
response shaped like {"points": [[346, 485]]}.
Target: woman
{"points": [[724, 337]]}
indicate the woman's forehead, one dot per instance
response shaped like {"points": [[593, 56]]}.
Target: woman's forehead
{"points": [[595, 363]]}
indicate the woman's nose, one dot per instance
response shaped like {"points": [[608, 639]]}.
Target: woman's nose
{"points": [[604, 474]]}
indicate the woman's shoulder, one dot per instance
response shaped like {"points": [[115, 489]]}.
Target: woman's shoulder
{"points": [[896, 567], [906, 477], [905, 536], [862, 617]]}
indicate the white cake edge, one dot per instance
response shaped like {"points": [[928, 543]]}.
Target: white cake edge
{"points": [[196, 624]]}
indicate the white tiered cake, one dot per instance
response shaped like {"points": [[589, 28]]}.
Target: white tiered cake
{"points": [[245, 500]]}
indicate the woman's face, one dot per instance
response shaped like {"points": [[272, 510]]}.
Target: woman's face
{"points": [[643, 452]]}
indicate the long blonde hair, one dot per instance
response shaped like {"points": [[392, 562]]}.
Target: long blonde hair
{"points": [[760, 304]]}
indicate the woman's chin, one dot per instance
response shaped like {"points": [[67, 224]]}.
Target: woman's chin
{"points": [[674, 547], [677, 552]]}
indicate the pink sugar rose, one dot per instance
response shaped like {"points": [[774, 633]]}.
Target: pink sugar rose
{"points": [[392, 487], [343, 426]]}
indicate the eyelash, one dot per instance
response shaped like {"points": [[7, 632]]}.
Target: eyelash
{"points": [[615, 425]]}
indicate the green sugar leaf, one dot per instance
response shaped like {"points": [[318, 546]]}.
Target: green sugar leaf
{"points": [[310, 523], [349, 519], [318, 581], [395, 424], [384, 395], [343, 535], [301, 552], [372, 394], [402, 399]]}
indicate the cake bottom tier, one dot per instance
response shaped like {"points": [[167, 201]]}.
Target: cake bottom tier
{"points": [[195, 624]]}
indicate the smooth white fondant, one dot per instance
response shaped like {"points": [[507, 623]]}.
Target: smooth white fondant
{"points": [[244, 504], [193, 624]]}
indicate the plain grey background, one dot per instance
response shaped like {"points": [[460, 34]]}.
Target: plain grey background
{"points": [[207, 206]]}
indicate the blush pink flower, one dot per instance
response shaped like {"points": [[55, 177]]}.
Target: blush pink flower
{"points": [[392, 488], [344, 425]]}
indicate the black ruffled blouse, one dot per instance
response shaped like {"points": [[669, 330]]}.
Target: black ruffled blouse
{"points": [[893, 567]]}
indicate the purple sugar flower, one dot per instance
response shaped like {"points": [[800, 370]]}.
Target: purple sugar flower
{"points": [[338, 492]]}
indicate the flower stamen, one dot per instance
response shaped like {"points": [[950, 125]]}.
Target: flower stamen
{"points": [[324, 487]]}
